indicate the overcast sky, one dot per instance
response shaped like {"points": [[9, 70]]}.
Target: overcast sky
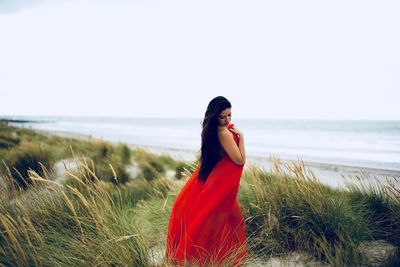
{"points": [[166, 58]]}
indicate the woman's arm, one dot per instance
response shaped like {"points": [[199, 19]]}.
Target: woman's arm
{"points": [[235, 152]]}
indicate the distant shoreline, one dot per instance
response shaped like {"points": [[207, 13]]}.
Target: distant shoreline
{"points": [[6, 121]]}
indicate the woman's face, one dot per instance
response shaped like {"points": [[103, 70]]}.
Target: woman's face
{"points": [[224, 117]]}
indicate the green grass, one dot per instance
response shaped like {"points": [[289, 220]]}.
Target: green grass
{"points": [[99, 216], [52, 224], [288, 209], [24, 149], [36, 157]]}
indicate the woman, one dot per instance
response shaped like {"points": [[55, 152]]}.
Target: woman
{"points": [[206, 226]]}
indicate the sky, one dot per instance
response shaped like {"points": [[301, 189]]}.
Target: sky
{"points": [[167, 58]]}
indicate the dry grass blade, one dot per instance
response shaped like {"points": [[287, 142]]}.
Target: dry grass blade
{"points": [[9, 230], [121, 238]]}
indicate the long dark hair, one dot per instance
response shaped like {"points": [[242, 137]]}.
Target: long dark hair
{"points": [[210, 146]]}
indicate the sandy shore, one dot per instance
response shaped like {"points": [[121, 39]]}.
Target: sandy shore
{"points": [[330, 174]]}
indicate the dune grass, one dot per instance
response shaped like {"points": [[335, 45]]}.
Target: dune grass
{"points": [[92, 218], [53, 224], [288, 209], [22, 149]]}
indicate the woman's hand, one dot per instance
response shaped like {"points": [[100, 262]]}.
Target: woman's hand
{"points": [[236, 130]]}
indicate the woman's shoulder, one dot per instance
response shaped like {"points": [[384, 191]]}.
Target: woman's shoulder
{"points": [[223, 132]]}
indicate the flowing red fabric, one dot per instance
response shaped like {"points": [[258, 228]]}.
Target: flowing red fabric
{"points": [[206, 226]]}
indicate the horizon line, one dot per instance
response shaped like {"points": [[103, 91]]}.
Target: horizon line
{"points": [[175, 117]]}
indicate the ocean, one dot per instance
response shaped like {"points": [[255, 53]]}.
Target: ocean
{"points": [[371, 144]]}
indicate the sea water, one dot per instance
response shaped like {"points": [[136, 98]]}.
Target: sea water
{"points": [[372, 144]]}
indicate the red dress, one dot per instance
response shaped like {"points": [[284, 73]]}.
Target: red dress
{"points": [[206, 226]]}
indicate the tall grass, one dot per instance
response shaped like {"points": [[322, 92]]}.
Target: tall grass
{"points": [[285, 210], [8, 139], [29, 150], [288, 209], [154, 166], [54, 224], [381, 203], [87, 220], [27, 157]]}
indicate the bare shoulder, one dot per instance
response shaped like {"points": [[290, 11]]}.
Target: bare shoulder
{"points": [[224, 134]]}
